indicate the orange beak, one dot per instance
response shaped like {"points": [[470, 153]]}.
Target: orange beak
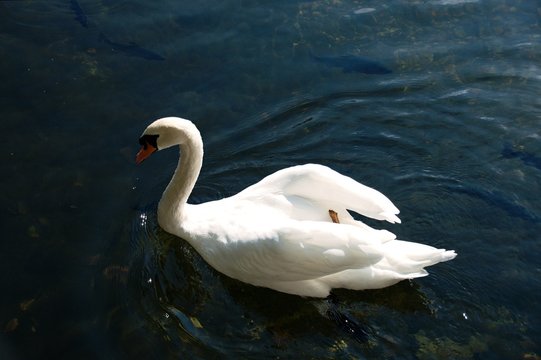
{"points": [[145, 152]]}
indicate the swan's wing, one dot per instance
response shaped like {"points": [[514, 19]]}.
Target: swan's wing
{"points": [[300, 251], [256, 241], [326, 186]]}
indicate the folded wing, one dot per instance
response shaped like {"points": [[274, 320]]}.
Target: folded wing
{"points": [[324, 185]]}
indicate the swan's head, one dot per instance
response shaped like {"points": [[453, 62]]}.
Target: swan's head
{"points": [[164, 133]]}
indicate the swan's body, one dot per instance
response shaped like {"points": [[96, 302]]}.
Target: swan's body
{"points": [[278, 233]]}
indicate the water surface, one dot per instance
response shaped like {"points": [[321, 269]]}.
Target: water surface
{"points": [[450, 134]]}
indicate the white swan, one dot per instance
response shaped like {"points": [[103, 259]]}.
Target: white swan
{"points": [[282, 232]]}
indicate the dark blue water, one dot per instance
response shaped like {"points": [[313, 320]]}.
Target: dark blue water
{"points": [[450, 133]]}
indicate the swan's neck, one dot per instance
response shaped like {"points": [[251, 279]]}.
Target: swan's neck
{"points": [[172, 205]]}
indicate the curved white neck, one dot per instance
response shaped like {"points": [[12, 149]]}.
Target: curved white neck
{"points": [[172, 204]]}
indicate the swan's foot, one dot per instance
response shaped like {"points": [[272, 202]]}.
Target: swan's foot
{"points": [[347, 323], [334, 216]]}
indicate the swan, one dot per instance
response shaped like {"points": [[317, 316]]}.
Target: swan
{"points": [[291, 231]]}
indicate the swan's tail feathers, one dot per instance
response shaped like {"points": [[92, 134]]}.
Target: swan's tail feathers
{"points": [[418, 274], [441, 255], [447, 255], [401, 260], [410, 259]]}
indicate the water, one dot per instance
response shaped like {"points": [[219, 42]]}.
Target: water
{"points": [[451, 136]]}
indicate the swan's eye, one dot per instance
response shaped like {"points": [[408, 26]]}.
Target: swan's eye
{"points": [[149, 145], [151, 140]]}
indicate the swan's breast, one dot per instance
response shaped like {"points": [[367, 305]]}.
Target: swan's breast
{"points": [[233, 237], [227, 221]]}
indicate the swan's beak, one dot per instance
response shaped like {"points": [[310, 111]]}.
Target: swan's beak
{"points": [[146, 151]]}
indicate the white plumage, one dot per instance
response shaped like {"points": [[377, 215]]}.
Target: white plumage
{"points": [[278, 232]]}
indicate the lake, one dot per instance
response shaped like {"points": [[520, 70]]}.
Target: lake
{"points": [[435, 103]]}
